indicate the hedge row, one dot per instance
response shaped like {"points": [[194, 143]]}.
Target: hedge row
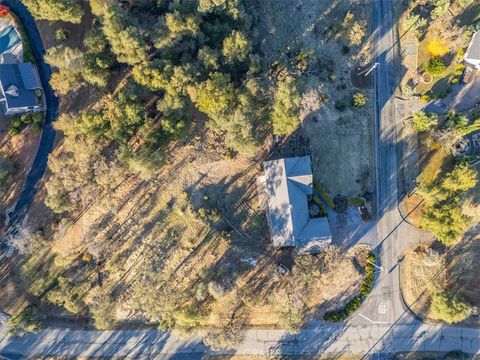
{"points": [[365, 289]]}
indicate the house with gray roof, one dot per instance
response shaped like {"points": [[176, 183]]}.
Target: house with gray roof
{"points": [[19, 85], [472, 55], [289, 183]]}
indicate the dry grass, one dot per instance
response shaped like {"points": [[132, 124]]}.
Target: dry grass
{"points": [[463, 269], [436, 160], [317, 25], [157, 242], [414, 208], [417, 274]]}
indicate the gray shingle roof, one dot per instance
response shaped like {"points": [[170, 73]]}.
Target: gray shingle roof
{"points": [[288, 182], [24, 78], [473, 51]]}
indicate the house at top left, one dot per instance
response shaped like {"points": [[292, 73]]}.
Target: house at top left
{"points": [[20, 86]]}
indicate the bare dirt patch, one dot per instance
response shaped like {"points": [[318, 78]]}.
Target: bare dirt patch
{"points": [[413, 209]]}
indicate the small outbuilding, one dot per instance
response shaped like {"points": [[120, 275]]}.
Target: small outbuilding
{"points": [[289, 184]]}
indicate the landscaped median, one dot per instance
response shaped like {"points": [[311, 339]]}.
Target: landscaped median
{"points": [[365, 289]]}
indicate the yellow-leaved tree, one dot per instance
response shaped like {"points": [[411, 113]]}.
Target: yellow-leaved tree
{"points": [[437, 47]]}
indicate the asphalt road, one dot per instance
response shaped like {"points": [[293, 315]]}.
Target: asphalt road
{"points": [[381, 327], [47, 138], [385, 305]]}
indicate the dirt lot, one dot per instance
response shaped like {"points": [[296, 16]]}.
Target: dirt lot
{"points": [[340, 141]]}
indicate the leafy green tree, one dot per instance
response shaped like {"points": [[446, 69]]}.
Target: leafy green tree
{"points": [[440, 7], [209, 58], [466, 3], [126, 40], [64, 57], [25, 321], [53, 10], [215, 95], [103, 312], [456, 121], [445, 221], [414, 21], [236, 47], [443, 215], [359, 99], [286, 107], [450, 307], [96, 69], [57, 197], [154, 75], [435, 66], [68, 295], [69, 63], [210, 5], [462, 178], [423, 122], [74, 67]]}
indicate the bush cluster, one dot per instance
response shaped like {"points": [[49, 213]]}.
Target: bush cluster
{"points": [[17, 123], [365, 289]]}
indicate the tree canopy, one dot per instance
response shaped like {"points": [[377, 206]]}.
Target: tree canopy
{"points": [[286, 107], [64, 10], [443, 215], [423, 122]]}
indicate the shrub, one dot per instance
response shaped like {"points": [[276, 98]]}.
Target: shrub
{"points": [[25, 321], [435, 66], [359, 99], [365, 289], [428, 96], [62, 34], [103, 312], [423, 122], [324, 195], [450, 307]]}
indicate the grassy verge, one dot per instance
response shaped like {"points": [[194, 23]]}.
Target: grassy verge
{"points": [[365, 289]]}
